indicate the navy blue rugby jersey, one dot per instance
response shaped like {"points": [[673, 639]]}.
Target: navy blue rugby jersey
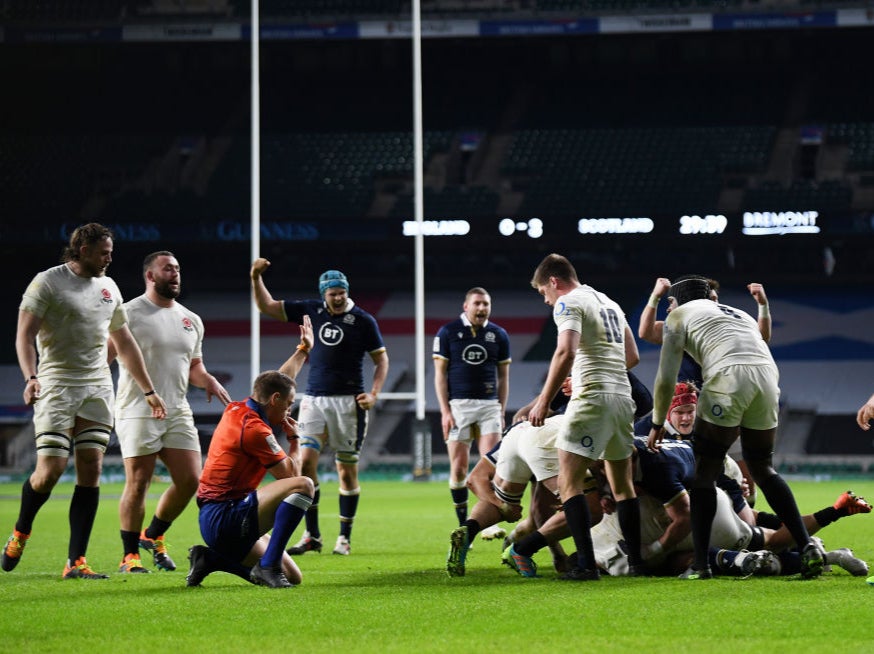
{"points": [[665, 474], [473, 357], [340, 343]]}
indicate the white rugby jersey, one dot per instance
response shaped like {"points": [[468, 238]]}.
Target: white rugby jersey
{"points": [[169, 339], [78, 314], [600, 358], [715, 335]]}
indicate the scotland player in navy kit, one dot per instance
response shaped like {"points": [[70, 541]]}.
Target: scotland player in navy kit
{"points": [[471, 379], [334, 407]]}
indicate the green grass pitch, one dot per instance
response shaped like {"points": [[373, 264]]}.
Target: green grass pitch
{"points": [[393, 595]]}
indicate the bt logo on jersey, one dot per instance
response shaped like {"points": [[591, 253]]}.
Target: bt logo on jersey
{"points": [[474, 355], [330, 334]]}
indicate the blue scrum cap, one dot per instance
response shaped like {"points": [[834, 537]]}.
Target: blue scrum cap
{"points": [[332, 279]]}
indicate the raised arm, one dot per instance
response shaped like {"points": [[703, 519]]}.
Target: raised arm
{"points": [[758, 292], [295, 362], [263, 300], [650, 329]]}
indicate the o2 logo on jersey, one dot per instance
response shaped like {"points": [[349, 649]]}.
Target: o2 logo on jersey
{"points": [[560, 308], [474, 355], [330, 334]]}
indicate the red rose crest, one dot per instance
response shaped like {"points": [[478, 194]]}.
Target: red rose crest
{"points": [[186, 325], [107, 296]]}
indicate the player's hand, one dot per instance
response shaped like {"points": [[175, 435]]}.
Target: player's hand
{"points": [[865, 414], [662, 286], [306, 333], [159, 409], [447, 422], [32, 391], [655, 438], [538, 413], [567, 386], [214, 389], [366, 400], [758, 292], [259, 266], [608, 505], [289, 426]]}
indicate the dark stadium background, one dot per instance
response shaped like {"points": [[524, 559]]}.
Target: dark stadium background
{"points": [[152, 138]]}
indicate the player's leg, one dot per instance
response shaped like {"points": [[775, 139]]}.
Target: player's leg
{"points": [[459, 460], [619, 474], [138, 472], [573, 469], [35, 491], [90, 440], [281, 506], [347, 429], [54, 417], [350, 491], [311, 541], [184, 466], [485, 444], [710, 446], [758, 448]]}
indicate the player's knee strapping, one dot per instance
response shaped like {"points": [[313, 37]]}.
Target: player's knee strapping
{"points": [[509, 498], [349, 458], [92, 438], [53, 443]]}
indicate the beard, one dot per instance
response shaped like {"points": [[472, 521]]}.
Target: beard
{"points": [[166, 291]]}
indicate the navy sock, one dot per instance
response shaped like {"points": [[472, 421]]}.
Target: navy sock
{"points": [[780, 497], [348, 509], [827, 516], [473, 528], [157, 528], [769, 520], [312, 517], [628, 512], [459, 498], [531, 544], [288, 515], [83, 509], [31, 503], [130, 540], [703, 502], [579, 521]]}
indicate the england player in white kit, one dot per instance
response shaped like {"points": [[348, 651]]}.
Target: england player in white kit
{"points": [[594, 339], [740, 390], [70, 311], [171, 339]]}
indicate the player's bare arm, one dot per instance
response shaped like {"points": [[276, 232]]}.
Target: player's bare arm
{"points": [[650, 329], [367, 400], [764, 319], [25, 338], [263, 300]]}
